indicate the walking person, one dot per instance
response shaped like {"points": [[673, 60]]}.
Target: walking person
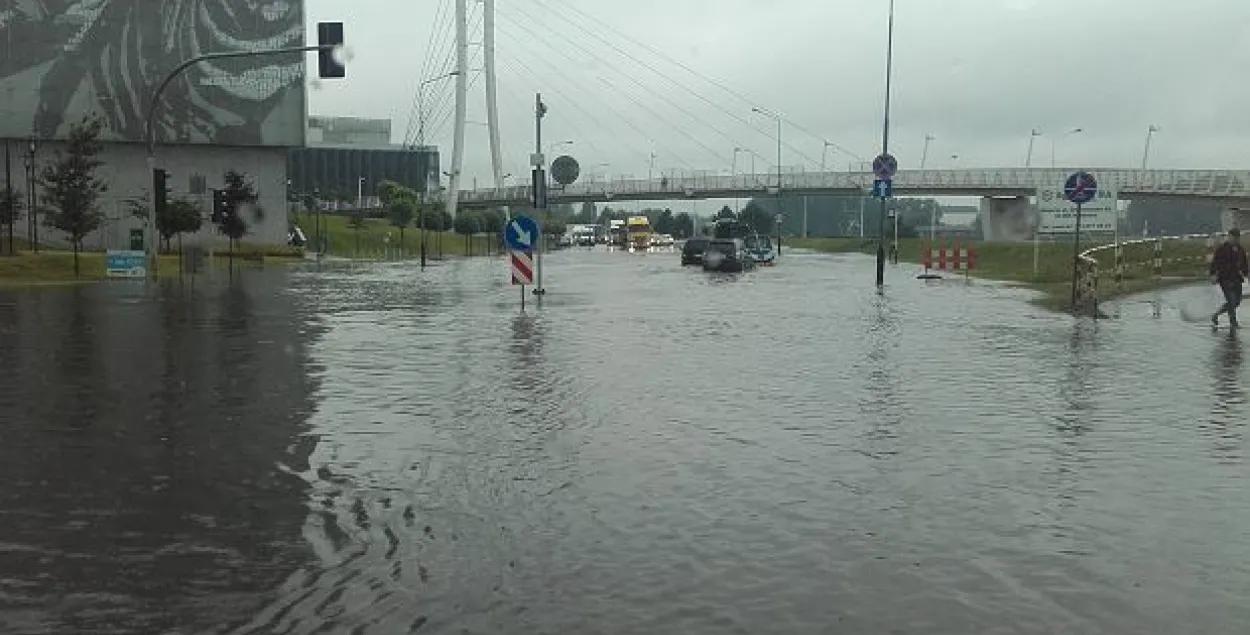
{"points": [[1229, 269]]}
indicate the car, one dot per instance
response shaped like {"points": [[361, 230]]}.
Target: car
{"points": [[692, 250], [728, 254]]}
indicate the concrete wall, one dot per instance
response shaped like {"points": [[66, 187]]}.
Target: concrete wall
{"points": [[126, 172], [1008, 219], [1235, 217]]}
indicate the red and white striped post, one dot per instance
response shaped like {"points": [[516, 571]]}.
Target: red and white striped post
{"points": [[522, 266]]}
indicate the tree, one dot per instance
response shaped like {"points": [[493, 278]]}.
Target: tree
{"points": [[10, 212], [725, 212], [70, 187], [587, 215], [554, 227], [401, 212], [181, 217], [239, 192], [466, 224], [683, 225], [758, 218], [665, 223]]}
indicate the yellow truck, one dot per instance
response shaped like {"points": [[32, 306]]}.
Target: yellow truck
{"points": [[638, 232]]}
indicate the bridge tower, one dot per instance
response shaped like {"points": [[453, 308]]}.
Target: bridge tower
{"points": [[462, 85]]}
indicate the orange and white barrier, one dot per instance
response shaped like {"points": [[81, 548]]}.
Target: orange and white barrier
{"points": [[958, 256]]}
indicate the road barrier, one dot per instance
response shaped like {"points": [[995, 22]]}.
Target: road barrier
{"points": [[1089, 271], [944, 255]]}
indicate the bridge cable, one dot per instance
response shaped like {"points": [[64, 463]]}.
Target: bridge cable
{"points": [[557, 72], [610, 30], [437, 41], [660, 96]]}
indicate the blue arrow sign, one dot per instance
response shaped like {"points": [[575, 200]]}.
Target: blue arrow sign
{"points": [[883, 188], [1080, 188], [521, 233]]}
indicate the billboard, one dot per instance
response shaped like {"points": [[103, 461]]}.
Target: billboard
{"points": [[64, 59], [1058, 216]]}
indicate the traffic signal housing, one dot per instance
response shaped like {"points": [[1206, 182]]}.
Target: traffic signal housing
{"points": [[219, 206], [329, 39], [160, 190]]}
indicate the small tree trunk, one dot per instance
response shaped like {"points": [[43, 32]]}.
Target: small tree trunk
{"points": [[74, 242], [401, 242]]}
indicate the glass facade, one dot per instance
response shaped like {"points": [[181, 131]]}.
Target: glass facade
{"points": [[334, 172]]}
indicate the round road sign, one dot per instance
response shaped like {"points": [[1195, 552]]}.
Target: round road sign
{"points": [[885, 166], [1081, 187], [565, 170]]}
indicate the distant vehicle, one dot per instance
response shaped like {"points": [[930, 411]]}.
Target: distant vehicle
{"points": [[616, 233], [662, 240], [638, 231], [761, 249], [727, 254], [692, 250]]}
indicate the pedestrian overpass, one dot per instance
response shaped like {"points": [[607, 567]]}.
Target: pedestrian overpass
{"points": [[1004, 192]]}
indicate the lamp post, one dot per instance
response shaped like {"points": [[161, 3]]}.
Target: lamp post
{"points": [[1146, 153], [1028, 158], [1052, 143], [924, 155], [421, 104], [776, 116]]}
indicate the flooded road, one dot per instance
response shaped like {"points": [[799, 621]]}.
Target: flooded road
{"points": [[372, 449]]}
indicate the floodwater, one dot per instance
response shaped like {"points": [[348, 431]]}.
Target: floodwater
{"points": [[373, 449]]}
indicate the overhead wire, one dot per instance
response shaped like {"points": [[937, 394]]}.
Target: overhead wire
{"points": [[437, 39]]}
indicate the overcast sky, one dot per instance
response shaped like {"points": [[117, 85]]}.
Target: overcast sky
{"points": [[976, 74]]}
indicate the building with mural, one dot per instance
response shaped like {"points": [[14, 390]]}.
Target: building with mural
{"points": [[80, 58]]}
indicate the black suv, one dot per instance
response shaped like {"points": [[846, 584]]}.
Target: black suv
{"points": [[692, 251]]}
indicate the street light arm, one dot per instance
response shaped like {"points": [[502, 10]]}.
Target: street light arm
{"points": [[150, 132]]}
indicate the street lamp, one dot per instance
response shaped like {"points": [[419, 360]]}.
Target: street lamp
{"points": [[650, 168], [924, 155], [776, 116], [1052, 143], [1146, 153], [1028, 158], [421, 104]]}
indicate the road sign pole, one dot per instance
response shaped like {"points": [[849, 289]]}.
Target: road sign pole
{"points": [[885, 146], [1076, 254]]}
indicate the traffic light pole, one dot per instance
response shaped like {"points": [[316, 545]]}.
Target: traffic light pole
{"points": [[150, 122]]}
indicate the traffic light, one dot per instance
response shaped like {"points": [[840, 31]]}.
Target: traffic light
{"points": [[219, 206], [160, 190], [330, 39]]}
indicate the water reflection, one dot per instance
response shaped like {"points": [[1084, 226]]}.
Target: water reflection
{"points": [[1229, 396], [142, 488], [879, 403]]}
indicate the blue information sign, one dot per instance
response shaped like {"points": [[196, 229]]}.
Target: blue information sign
{"points": [[883, 188], [521, 233], [125, 264]]}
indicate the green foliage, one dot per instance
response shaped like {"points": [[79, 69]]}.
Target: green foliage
{"points": [[238, 192], [683, 225], [434, 217], [725, 212], [587, 215], [467, 223], [181, 217], [664, 222], [11, 205], [401, 212], [70, 188]]}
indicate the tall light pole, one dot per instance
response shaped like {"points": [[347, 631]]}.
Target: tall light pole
{"points": [[924, 155], [421, 104], [1146, 153], [1028, 158], [1052, 143], [651, 168], [885, 145], [768, 113], [824, 152], [733, 172]]}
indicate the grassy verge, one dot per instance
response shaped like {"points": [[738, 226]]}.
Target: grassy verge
{"points": [[53, 266], [1013, 263], [377, 239]]}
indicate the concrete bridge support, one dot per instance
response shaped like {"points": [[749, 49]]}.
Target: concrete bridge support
{"points": [[1007, 219], [1235, 217]]}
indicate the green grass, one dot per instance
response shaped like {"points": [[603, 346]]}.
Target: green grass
{"points": [[1013, 263], [370, 240], [55, 266]]}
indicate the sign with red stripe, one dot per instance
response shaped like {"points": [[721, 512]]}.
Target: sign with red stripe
{"points": [[522, 267]]}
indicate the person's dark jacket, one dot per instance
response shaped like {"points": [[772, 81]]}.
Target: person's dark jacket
{"points": [[1229, 264]]}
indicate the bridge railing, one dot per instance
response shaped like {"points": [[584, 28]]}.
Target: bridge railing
{"points": [[1232, 184]]}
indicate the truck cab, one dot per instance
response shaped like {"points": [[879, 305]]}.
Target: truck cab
{"points": [[638, 230]]}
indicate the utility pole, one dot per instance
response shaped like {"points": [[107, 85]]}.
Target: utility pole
{"points": [[540, 192]]}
